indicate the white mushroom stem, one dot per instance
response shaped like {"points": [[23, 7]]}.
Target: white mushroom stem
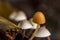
{"points": [[35, 32]]}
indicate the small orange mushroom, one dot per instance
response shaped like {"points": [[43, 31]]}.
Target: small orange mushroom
{"points": [[39, 18]]}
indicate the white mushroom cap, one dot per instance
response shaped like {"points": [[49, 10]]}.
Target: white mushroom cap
{"points": [[21, 16], [13, 15], [25, 25], [34, 24], [43, 32]]}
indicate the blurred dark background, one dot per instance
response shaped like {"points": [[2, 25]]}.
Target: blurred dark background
{"points": [[50, 8]]}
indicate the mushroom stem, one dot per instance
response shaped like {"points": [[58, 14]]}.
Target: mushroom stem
{"points": [[33, 35], [48, 38], [23, 34]]}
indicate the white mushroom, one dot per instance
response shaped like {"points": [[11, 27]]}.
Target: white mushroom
{"points": [[25, 25], [21, 16], [43, 32]]}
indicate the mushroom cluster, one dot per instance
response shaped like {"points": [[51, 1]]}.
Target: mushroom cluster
{"points": [[33, 24]]}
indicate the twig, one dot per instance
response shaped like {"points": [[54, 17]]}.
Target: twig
{"points": [[33, 35]]}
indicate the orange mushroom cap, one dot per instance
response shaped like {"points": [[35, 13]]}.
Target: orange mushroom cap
{"points": [[39, 18]]}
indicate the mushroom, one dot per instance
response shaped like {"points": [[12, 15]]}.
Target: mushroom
{"points": [[39, 19], [20, 16], [43, 32], [24, 25]]}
